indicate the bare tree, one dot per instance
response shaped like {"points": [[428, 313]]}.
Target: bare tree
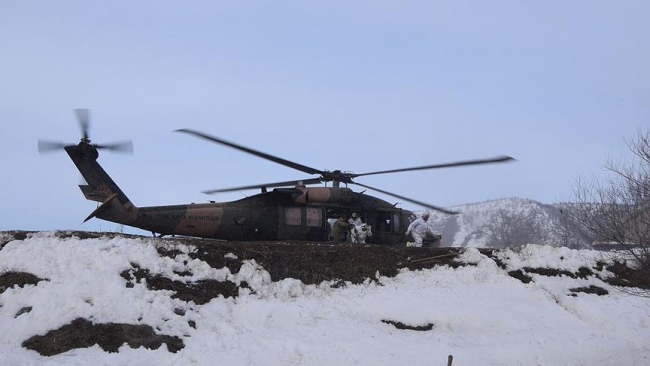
{"points": [[617, 210], [570, 232], [507, 229]]}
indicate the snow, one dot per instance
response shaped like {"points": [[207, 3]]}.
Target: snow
{"points": [[480, 314]]}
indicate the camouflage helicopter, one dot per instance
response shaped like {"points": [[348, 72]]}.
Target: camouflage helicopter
{"points": [[291, 211]]}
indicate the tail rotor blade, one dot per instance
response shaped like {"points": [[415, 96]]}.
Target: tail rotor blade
{"points": [[122, 146], [83, 116], [45, 146]]}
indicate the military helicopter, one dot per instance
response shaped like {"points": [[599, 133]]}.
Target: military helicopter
{"points": [[291, 211]]}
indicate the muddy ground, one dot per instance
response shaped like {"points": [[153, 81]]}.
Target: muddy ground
{"points": [[311, 263]]}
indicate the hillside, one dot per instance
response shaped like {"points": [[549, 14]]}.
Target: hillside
{"points": [[83, 297], [471, 227]]}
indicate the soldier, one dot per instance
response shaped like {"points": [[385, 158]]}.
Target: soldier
{"points": [[354, 226], [364, 233], [419, 229], [355, 220], [339, 229]]}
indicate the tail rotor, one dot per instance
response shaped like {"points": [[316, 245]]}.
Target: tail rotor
{"points": [[83, 117]]}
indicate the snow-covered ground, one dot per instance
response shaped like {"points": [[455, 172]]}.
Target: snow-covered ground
{"points": [[480, 314]]}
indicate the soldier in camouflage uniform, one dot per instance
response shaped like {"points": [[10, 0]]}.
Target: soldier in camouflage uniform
{"points": [[339, 229]]}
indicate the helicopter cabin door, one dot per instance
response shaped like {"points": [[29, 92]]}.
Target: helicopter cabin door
{"points": [[387, 227], [302, 223]]}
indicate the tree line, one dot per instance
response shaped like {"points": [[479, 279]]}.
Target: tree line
{"points": [[613, 211]]}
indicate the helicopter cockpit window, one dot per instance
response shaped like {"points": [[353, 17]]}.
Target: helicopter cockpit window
{"points": [[292, 216], [314, 216]]}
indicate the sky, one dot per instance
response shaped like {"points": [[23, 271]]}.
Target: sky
{"points": [[360, 87], [480, 315]]}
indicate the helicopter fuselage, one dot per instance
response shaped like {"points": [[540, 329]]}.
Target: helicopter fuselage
{"points": [[281, 214], [299, 213]]}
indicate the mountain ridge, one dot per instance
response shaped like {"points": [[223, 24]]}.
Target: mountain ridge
{"points": [[481, 224]]}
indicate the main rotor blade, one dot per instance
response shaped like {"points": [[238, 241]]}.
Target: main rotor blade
{"points": [[45, 146], [427, 205], [267, 185], [290, 164], [499, 159], [122, 146], [83, 116]]}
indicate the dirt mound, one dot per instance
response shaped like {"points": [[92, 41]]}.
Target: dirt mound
{"points": [[313, 263]]}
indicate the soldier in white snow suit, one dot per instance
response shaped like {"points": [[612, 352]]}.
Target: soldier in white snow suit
{"points": [[354, 223], [419, 229], [364, 232]]}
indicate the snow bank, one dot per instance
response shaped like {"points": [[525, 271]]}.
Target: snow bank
{"points": [[480, 314]]}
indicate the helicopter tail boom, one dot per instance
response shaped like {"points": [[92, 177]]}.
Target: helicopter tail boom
{"points": [[115, 205]]}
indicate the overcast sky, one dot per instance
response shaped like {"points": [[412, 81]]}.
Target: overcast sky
{"points": [[357, 86]]}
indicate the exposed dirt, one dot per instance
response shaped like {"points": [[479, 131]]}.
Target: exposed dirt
{"points": [[81, 333], [400, 325], [19, 279], [589, 290], [311, 263], [200, 292]]}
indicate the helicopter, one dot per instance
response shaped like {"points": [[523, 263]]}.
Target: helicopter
{"points": [[291, 211]]}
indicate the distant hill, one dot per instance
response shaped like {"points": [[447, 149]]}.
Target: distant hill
{"points": [[506, 222]]}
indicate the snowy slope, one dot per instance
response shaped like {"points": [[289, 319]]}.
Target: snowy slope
{"points": [[478, 313]]}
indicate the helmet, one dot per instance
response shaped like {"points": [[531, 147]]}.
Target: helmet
{"points": [[354, 214], [425, 215]]}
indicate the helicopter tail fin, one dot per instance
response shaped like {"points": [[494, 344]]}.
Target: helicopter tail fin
{"points": [[115, 205]]}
